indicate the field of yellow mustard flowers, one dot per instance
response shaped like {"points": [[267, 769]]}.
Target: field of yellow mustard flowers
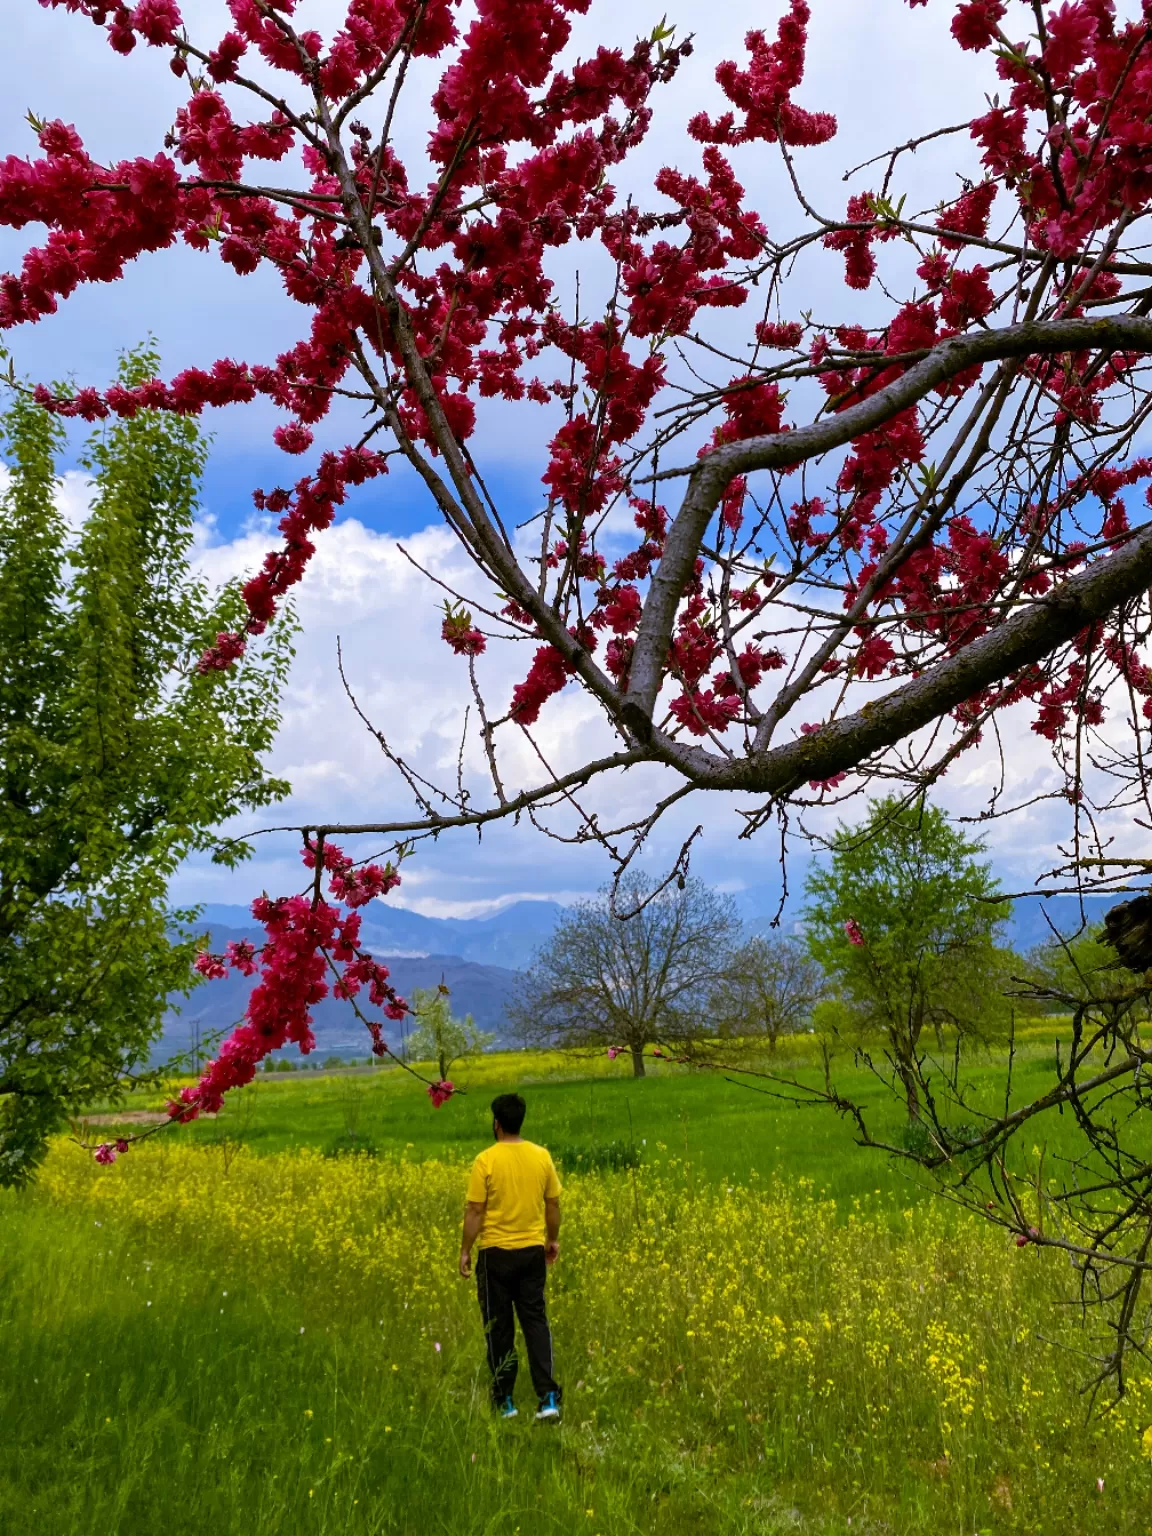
{"points": [[200, 1342]]}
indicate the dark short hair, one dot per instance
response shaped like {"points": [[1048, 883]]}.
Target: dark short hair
{"points": [[508, 1110]]}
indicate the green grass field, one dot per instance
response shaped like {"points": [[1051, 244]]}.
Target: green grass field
{"points": [[762, 1329], [721, 1122]]}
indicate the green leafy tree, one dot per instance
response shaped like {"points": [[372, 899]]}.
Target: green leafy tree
{"points": [[118, 756], [1082, 963], [904, 920], [438, 1036]]}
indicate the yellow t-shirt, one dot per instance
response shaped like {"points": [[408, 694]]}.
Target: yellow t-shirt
{"points": [[513, 1179]]}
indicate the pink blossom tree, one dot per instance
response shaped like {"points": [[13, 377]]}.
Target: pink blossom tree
{"points": [[858, 537]]}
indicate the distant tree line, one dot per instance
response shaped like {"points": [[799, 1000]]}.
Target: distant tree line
{"points": [[643, 971]]}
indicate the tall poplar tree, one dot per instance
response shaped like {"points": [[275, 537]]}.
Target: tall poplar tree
{"points": [[118, 756]]}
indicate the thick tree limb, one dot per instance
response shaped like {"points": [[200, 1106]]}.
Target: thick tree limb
{"points": [[1028, 636], [711, 477]]}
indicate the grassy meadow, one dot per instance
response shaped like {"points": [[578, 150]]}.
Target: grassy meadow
{"points": [[760, 1329]]}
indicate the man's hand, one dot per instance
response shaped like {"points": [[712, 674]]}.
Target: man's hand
{"points": [[551, 1229], [473, 1222]]}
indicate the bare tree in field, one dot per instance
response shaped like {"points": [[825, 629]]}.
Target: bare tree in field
{"points": [[626, 982], [769, 989]]}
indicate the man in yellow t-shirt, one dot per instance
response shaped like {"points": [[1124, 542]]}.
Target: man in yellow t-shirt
{"points": [[514, 1210]]}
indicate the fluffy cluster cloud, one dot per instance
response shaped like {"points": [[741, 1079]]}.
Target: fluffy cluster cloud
{"points": [[364, 597], [362, 592], [384, 610]]}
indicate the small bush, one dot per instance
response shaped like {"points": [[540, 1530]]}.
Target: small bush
{"points": [[602, 1157], [917, 1138], [352, 1144]]}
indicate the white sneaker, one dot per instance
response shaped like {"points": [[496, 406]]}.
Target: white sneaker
{"points": [[549, 1409]]}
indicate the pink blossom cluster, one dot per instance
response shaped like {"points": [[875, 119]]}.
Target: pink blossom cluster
{"points": [[101, 217], [763, 91], [304, 941], [460, 633], [354, 885], [310, 507], [538, 141]]}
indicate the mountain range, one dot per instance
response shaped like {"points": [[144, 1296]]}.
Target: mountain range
{"points": [[507, 938], [1034, 917], [478, 959]]}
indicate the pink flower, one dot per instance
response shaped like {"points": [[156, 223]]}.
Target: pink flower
{"points": [[458, 631], [106, 1153], [294, 965], [229, 647], [547, 675], [293, 438], [440, 1092], [242, 956], [613, 1052], [156, 20], [974, 24], [852, 929], [210, 965]]}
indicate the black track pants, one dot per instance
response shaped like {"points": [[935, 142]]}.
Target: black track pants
{"points": [[510, 1282]]}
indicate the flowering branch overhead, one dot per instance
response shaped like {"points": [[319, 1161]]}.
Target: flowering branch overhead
{"points": [[875, 537]]}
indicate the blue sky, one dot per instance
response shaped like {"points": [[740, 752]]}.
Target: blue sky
{"points": [[886, 71]]}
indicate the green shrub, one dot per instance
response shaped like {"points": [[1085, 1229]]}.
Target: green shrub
{"points": [[601, 1157], [352, 1144]]}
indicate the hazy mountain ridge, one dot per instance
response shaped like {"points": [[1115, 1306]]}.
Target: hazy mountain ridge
{"points": [[1033, 917], [479, 989], [508, 938]]}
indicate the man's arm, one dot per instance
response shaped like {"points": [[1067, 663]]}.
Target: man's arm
{"points": [[552, 1229], [473, 1221]]}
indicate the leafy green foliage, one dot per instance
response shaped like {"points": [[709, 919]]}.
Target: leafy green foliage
{"points": [[118, 757], [438, 1036], [597, 1157], [904, 919], [1081, 966]]}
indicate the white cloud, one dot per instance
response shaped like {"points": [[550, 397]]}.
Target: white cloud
{"points": [[387, 615], [361, 590]]}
